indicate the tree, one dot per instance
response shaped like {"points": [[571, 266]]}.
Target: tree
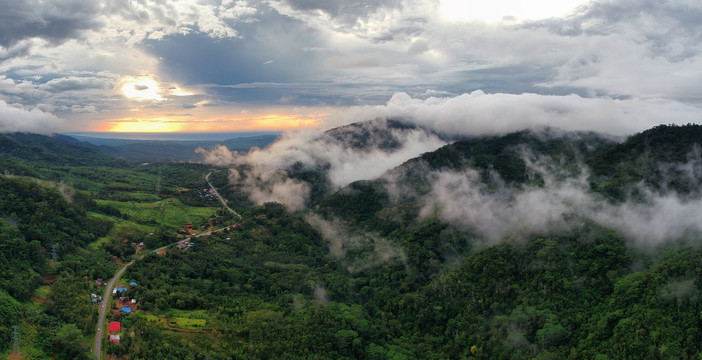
{"points": [[68, 339]]}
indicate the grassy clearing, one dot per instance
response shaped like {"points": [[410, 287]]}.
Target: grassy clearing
{"points": [[119, 224], [187, 324], [42, 292], [181, 319], [99, 242], [169, 212], [135, 196]]}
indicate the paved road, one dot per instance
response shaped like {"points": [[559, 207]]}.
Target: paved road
{"points": [[103, 308], [108, 291], [207, 178]]}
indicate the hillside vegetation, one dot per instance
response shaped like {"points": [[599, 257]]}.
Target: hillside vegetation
{"points": [[531, 245]]}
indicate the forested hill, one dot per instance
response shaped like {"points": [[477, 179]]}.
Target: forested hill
{"points": [[55, 150], [663, 159], [170, 150]]}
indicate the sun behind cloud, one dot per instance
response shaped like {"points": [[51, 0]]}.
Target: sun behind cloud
{"points": [[141, 88]]}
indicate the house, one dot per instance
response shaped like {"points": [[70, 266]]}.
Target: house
{"points": [[99, 281], [114, 339], [118, 289], [114, 326], [133, 301], [127, 310], [94, 298], [133, 284]]}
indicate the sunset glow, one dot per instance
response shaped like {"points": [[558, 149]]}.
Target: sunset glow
{"points": [[143, 126], [233, 123]]}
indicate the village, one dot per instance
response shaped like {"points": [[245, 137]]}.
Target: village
{"points": [[125, 305]]}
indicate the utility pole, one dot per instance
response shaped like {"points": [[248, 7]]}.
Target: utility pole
{"points": [[54, 254], [15, 334]]}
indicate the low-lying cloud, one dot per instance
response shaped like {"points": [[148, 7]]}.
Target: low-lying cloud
{"points": [[266, 174], [18, 119], [461, 198], [340, 240], [478, 113]]}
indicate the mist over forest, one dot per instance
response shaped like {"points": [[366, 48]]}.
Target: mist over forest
{"points": [[333, 179]]}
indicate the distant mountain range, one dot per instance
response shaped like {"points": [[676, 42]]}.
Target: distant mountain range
{"points": [[172, 150], [87, 150]]}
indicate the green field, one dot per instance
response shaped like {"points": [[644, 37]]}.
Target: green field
{"points": [[169, 212], [119, 225], [181, 319]]}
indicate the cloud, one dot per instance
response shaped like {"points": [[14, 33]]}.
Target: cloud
{"points": [[462, 198], [20, 48], [274, 186], [54, 21], [364, 151], [76, 83], [137, 21], [18, 119], [479, 113], [377, 20], [341, 240], [245, 54], [89, 109]]}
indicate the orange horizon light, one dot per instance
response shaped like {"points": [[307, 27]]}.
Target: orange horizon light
{"points": [[243, 123]]}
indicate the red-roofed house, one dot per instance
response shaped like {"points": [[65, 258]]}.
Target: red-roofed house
{"points": [[114, 326]]}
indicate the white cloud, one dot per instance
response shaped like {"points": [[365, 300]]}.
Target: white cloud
{"points": [[649, 52], [462, 198], [19, 119], [479, 113], [267, 180]]}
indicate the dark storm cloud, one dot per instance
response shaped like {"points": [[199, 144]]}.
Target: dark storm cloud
{"points": [[18, 49], [54, 21], [276, 48]]}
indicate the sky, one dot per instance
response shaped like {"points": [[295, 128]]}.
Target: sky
{"points": [[616, 66]]}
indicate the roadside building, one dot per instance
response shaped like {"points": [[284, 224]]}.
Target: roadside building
{"points": [[115, 326]]}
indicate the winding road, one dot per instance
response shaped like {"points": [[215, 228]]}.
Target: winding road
{"points": [[108, 290], [207, 178]]}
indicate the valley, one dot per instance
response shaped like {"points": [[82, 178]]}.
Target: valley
{"points": [[487, 247]]}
